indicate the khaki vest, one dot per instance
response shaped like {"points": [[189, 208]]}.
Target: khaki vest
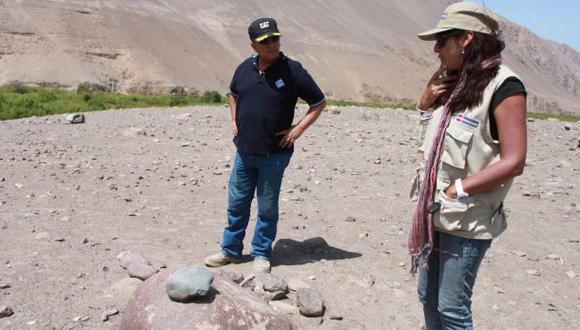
{"points": [[467, 149]]}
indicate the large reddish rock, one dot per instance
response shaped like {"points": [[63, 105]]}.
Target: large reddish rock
{"points": [[228, 306]]}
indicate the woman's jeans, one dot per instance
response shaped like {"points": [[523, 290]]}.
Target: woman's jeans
{"points": [[446, 286], [250, 173]]}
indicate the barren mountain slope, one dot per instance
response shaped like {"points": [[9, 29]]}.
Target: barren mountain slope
{"points": [[363, 50]]}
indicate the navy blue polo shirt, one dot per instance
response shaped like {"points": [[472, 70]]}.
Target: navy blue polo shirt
{"points": [[266, 102]]}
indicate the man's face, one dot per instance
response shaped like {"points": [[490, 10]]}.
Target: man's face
{"points": [[268, 48]]}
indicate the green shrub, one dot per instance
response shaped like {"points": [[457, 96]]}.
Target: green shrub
{"points": [[20, 88], [211, 97], [177, 100]]}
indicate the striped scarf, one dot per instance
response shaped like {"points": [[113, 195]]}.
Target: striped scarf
{"points": [[422, 229]]}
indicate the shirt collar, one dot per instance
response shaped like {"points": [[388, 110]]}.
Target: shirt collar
{"points": [[281, 58]]}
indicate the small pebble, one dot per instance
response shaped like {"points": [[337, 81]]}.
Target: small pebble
{"points": [[5, 311], [109, 312], [533, 272]]}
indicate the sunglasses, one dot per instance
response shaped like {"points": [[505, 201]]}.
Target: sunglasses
{"points": [[269, 40], [442, 37]]}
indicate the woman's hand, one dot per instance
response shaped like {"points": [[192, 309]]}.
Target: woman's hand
{"points": [[451, 192], [437, 86]]}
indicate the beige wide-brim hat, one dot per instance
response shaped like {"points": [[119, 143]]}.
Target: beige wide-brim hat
{"points": [[466, 16]]}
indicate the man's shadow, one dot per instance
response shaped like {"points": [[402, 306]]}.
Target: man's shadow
{"points": [[290, 252]]}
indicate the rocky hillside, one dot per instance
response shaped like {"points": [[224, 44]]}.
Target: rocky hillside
{"points": [[364, 50]]}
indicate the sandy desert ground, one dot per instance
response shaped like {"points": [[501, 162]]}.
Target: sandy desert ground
{"points": [[72, 197]]}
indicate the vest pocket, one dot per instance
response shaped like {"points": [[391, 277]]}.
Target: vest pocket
{"points": [[453, 213], [455, 145]]}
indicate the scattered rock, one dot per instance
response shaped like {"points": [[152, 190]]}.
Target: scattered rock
{"points": [[310, 302], [364, 282], [227, 307], [235, 277], [295, 284], [140, 271], [129, 257], [277, 295], [108, 313], [350, 219], [41, 236], [571, 274], [554, 257], [533, 272], [121, 291], [518, 253], [134, 131], [285, 308], [75, 118], [249, 282], [192, 282], [5, 311], [4, 285], [183, 116], [272, 283]]}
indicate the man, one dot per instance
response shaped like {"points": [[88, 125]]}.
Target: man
{"points": [[262, 99]]}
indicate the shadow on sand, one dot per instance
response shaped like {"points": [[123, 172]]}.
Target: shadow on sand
{"points": [[291, 252]]}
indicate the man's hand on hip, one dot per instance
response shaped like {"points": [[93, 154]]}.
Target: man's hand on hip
{"points": [[290, 136], [234, 128]]}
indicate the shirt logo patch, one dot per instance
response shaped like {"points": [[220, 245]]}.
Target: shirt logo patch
{"points": [[280, 83], [461, 118]]}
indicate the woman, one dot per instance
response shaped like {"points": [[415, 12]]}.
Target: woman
{"points": [[474, 129]]}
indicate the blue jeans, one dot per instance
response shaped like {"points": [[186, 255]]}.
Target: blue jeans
{"points": [[250, 173], [446, 286]]}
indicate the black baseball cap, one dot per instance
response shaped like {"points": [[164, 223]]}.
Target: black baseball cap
{"points": [[263, 28]]}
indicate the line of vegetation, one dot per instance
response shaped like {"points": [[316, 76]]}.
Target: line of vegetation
{"points": [[342, 103], [412, 106], [21, 101], [560, 117]]}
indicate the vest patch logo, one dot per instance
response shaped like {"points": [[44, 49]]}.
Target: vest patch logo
{"points": [[461, 118], [280, 83]]}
